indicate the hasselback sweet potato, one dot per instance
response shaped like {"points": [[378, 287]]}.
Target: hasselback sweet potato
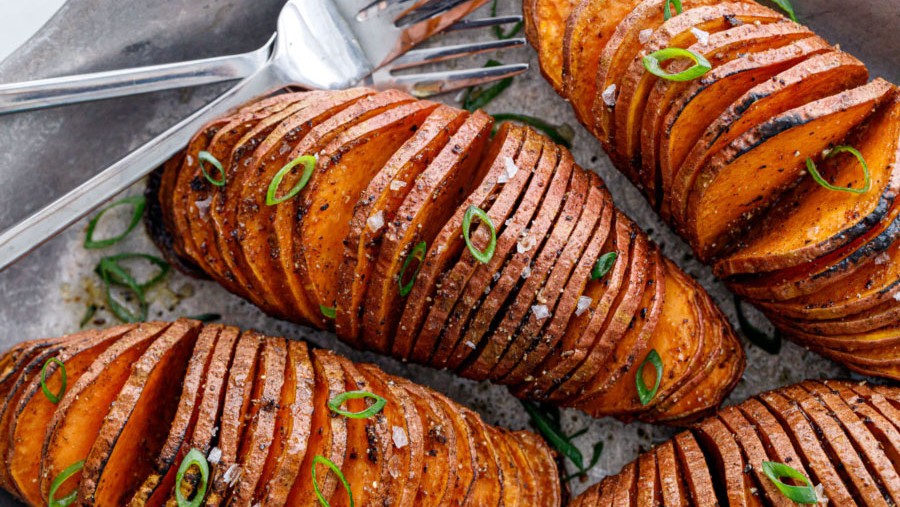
{"points": [[414, 231], [777, 160], [143, 397], [840, 437]]}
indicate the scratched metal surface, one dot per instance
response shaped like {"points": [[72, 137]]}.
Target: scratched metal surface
{"points": [[43, 154]]}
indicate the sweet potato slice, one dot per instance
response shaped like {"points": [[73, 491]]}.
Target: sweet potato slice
{"points": [[447, 246], [597, 227], [633, 30], [253, 215], [436, 193], [725, 51], [237, 401], [328, 437], [648, 486], [673, 490], [583, 245], [440, 447], [590, 28], [529, 240], [754, 453], [282, 228], [696, 472], [582, 332], [816, 220], [27, 411], [463, 481], [691, 107], [727, 463], [725, 195], [347, 165], [77, 421], [542, 461], [637, 82], [489, 483], [138, 422], [531, 159], [777, 442], [838, 444], [508, 468], [379, 202], [818, 77], [537, 266], [405, 465], [545, 22], [261, 419], [292, 429]]}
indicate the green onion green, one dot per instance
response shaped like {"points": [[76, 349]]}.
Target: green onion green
{"points": [[787, 7], [653, 61], [138, 204], [309, 164], [498, 32], [603, 265], [328, 311], [193, 458], [205, 317], [805, 494], [54, 398], [113, 273], [205, 156], [337, 471], [417, 253], [769, 343], [477, 97], [646, 394], [667, 12], [483, 256], [335, 404], [547, 421], [58, 481], [89, 313], [559, 134], [811, 167]]}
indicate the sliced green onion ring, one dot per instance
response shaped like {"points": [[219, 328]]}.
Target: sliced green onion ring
{"points": [[54, 398], [193, 458], [604, 263], [646, 394], [417, 253], [595, 458], [138, 204], [811, 167], [483, 256], [111, 273], [477, 97], [89, 313], [163, 266], [337, 471], [787, 7], [498, 32], [554, 435], [309, 164], [328, 311], [58, 481], [800, 494], [653, 61], [335, 404], [769, 343], [667, 12], [559, 134], [205, 156]]}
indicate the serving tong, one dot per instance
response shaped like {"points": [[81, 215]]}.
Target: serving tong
{"points": [[319, 44]]}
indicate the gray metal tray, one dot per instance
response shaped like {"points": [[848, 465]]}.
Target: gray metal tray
{"points": [[44, 154]]}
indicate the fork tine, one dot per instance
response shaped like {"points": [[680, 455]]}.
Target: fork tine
{"points": [[432, 9], [437, 54], [468, 24], [427, 84]]}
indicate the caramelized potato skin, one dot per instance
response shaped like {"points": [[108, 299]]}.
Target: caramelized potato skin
{"points": [[276, 395], [376, 236], [724, 157]]}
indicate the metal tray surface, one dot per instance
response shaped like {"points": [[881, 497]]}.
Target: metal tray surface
{"points": [[46, 153]]}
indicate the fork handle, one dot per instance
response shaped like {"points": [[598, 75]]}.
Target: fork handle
{"points": [[27, 235], [57, 91]]}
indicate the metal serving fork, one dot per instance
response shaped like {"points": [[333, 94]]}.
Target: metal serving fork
{"points": [[321, 44]]}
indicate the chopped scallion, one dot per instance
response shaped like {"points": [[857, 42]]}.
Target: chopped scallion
{"points": [[805, 494], [54, 398], [653, 61], [335, 404], [193, 458], [58, 481], [205, 156], [603, 265], [138, 204], [483, 256], [417, 253], [337, 471], [787, 7], [328, 311], [498, 32], [646, 394], [309, 164], [811, 167], [667, 11]]}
